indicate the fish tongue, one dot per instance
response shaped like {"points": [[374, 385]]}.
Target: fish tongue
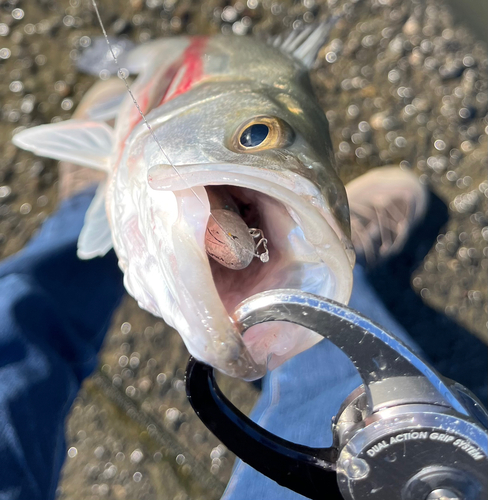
{"points": [[228, 239]]}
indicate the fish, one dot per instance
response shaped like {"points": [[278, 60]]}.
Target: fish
{"points": [[220, 184]]}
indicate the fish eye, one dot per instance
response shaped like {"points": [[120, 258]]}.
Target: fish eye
{"points": [[254, 135], [261, 133]]}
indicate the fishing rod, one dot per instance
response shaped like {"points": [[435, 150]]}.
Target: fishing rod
{"points": [[406, 433]]}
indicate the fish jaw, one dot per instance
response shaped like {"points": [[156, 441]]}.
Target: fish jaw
{"points": [[306, 253]]}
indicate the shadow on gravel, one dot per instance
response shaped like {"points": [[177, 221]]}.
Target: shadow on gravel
{"points": [[450, 348]]}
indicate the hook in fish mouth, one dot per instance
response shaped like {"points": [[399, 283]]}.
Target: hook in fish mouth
{"points": [[305, 253]]}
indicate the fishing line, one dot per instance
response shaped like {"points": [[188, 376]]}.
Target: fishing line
{"points": [[123, 77]]}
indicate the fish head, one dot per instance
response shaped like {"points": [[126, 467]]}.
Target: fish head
{"points": [[269, 147]]}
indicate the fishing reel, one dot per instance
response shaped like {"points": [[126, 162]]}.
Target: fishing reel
{"points": [[406, 433]]}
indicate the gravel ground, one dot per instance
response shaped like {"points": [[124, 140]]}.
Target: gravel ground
{"points": [[400, 82]]}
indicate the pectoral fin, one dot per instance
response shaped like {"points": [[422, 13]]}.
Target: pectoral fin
{"points": [[108, 109], [95, 238], [86, 143], [102, 102]]}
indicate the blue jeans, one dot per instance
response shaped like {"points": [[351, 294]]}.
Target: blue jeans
{"points": [[55, 310]]}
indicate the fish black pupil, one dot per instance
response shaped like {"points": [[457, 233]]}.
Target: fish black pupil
{"points": [[254, 135]]}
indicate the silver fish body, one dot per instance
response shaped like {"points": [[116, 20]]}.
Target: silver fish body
{"points": [[221, 111]]}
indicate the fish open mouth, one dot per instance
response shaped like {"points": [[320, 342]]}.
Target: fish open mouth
{"points": [[305, 252], [257, 211]]}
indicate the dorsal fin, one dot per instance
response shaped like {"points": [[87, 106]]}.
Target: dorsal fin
{"points": [[305, 42]]}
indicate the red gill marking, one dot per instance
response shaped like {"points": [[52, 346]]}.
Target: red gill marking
{"points": [[192, 61], [145, 99]]}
